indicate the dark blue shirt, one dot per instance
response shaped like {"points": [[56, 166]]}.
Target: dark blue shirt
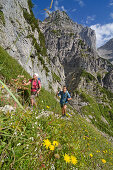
{"points": [[64, 97]]}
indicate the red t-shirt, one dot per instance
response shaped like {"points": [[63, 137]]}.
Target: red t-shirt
{"points": [[35, 85]]}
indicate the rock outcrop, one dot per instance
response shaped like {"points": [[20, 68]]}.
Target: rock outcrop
{"points": [[106, 51], [73, 46], [23, 40], [60, 50]]}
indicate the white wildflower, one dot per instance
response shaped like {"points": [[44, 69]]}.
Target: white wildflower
{"points": [[35, 123], [18, 144]]}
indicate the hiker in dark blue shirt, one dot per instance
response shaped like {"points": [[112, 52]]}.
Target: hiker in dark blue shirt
{"points": [[65, 97]]}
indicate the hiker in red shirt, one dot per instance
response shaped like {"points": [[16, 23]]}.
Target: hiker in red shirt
{"points": [[35, 88]]}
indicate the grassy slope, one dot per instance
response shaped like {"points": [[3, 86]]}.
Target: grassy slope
{"points": [[22, 135], [100, 105], [9, 67]]}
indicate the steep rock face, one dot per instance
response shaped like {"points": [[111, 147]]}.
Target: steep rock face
{"points": [[73, 46], [61, 21], [108, 81], [22, 39], [106, 51]]}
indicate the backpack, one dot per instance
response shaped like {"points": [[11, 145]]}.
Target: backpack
{"points": [[37, 83]]}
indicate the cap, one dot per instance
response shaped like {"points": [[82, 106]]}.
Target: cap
{"points": [[36, 74]]}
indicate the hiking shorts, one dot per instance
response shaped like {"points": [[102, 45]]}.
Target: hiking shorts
{"points": [[33, 95], [62, 104]]}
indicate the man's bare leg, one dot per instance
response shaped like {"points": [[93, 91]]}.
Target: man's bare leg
{"points": [[32, 102]]}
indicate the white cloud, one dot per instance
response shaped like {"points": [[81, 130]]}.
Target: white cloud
{"points": [[90, 18], [73, 10], [111, 15], [111, 3], [103, 33], [80, 2], [57, 7]]}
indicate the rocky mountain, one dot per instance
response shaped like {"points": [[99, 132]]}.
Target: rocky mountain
{"points": [[61, 51], [21, 37], [73, 46], [106, 51]]}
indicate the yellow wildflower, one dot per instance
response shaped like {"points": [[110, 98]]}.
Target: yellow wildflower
{"points": [[73, 160], [67, 158], [55, 143], [51, 147], [91, 155], [103, 161], [98, 151], [2, 87], [48, 107], [47, 143]]}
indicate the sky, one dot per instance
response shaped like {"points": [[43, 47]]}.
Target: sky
{"points": [[97, 14]]}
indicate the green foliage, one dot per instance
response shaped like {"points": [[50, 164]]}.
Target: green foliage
{"points": [[106, 92], [71, 34], [56, 32], [2, 19], [55, 77], [43, 63], [89, 77], [97, 110], [22, 136], [9, 67], [99, 77], [30, 18], [81, 43], [39, 51], [31, 5]]}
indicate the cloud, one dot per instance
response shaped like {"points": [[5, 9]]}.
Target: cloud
{"points": [[80, 2], [103, 33], [111, 15], [73, 10], [111, 3], [90, 19], [57, 7]]}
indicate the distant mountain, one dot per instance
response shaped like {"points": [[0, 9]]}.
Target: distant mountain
{"points": [[106, 51]]}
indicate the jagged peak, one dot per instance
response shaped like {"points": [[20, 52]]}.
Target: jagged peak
{"points": [[61, 15]]}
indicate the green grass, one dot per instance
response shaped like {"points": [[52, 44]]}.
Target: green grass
{"points": [[30, 18], [89, 77], [2, 19], [22, 135], [97, 111], [56, 77], [56, 32], [9, 67]]}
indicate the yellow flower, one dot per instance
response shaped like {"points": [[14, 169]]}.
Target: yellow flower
{"points": [[55, 143], [51, 147], [103, 161], [47, 143], [91, 155], [48, 107], [98, 151], [73, 160], [2, 87], [67, 158]]}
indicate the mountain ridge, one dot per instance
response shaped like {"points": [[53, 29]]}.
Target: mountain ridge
{"points": [[106, 51]]}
